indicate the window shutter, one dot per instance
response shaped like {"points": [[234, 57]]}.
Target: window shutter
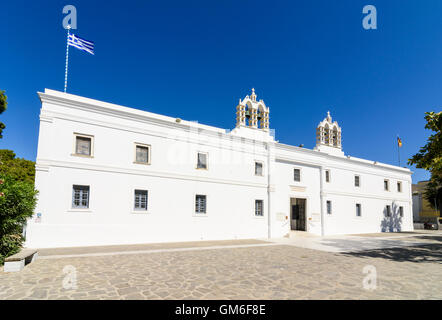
{"points": [[140, 201], [202, 161], [358, 209], [142, 154], [258, 168], [80, 196], [297, 175], [200, 204], [83, 146], [259, 208]]}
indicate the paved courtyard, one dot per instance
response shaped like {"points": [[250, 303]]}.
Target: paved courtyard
{"points": [[407, 266]]}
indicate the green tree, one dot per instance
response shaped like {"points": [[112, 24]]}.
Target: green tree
{"points": [[429, 158], [17, 195], [17, 204], [18, 169], [3, 105]]}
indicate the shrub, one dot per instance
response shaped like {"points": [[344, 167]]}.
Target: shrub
{"points": [[17, 204], [16, 168]]}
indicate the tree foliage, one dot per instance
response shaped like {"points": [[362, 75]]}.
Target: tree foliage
{"points": [[17, 168], [3, 105], [17, 204], [429, 157], [17, 195]]}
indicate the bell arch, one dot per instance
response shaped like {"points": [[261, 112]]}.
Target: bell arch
{"points": [[329, 133], [252, 113]]}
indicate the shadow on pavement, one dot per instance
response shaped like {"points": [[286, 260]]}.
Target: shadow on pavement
{"points": [[357, 245], [420, 254], [432, 238]]}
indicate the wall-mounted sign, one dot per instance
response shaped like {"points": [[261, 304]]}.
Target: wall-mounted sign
{"points": [[297, 188], [316, 217]]}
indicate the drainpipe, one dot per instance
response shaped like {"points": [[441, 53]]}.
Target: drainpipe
{"points": [[269, 235], [321, 194]]}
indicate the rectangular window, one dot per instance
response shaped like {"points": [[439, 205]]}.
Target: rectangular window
{"points": [[80, 197], [200, 204], [258, 169], [329, 207], [140, 200], [401, 212], [399, 186], [357, 181], [259, 208], [386, 185], [327, 175], [142, 153], [388, 211], [358, 210], [201, 161], [297, 174], [83, 145]]}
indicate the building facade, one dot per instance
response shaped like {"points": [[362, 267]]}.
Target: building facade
{"points": [[109, 174], [422, 209]]}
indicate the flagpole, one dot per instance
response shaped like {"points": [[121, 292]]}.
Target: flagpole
{"points": [[398, 151], [67, 60]]}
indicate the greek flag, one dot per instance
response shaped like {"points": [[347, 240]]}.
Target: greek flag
{"points": [[80, 43]]}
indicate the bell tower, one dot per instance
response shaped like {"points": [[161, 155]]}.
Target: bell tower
{"points": [[252, 113], [328, 136]]}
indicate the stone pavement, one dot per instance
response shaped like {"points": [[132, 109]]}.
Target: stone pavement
{"points": [[232, 270], [360, 242], [143, 247]]}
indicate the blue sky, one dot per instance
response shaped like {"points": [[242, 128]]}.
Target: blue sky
{"points": [[195, 59]]}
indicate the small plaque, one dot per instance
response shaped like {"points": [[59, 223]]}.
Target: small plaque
{"points": [[38, 218], [280, 216], [316, 217], [297, 188]]}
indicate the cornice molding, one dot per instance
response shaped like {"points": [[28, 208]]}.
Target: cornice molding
{"points": [[141, 116], [134, 114], [325, 157], [324, 165], [241, 146], [45, 163], [364, 195]]}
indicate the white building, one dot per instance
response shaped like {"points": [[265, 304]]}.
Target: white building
{"points": [[109, 174]]}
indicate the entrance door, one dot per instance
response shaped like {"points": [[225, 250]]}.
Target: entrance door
{"points": [[297, 214]]}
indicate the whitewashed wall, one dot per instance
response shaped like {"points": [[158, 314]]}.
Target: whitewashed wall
{"points": [[372, 197], [111, 220], [172, 181], [286, 188], [342, 193]]}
